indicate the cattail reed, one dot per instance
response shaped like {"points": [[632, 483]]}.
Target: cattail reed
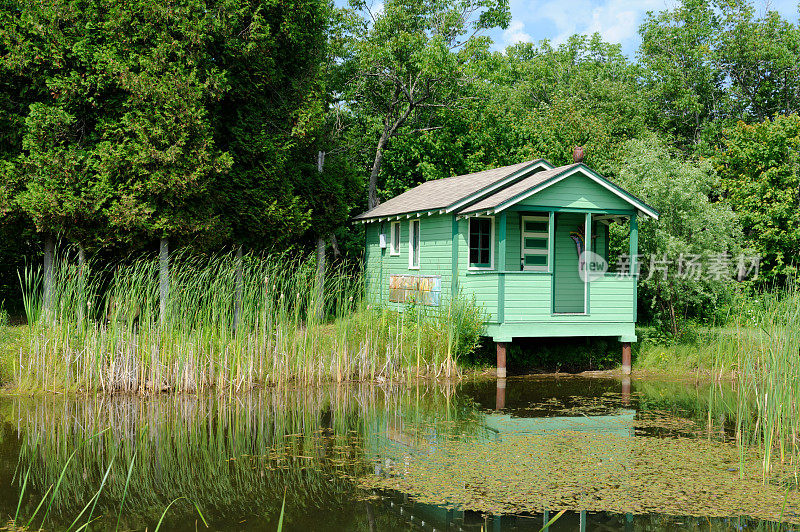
{"points": [[227, 329]]}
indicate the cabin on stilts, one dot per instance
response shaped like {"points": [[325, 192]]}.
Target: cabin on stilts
{"points": [[529, 241]]}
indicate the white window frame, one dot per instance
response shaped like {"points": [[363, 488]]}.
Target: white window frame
{"points": [[411, 254], [394, 230], [545, 235], [491, 245]]}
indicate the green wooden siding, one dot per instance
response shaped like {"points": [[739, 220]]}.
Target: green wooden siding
{"points": [[512, 260], [600, 239], [518, 303], [435, 254], [578, 192], [527, 296]]}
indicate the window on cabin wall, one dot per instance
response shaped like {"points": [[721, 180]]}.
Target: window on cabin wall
{"points": [[394, 238], [535, 241], [481, 242], [413, 244]]}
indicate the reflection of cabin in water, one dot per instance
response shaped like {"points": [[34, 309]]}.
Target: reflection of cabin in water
{"points": [[529, 241], [620, 424], [393, 446]]}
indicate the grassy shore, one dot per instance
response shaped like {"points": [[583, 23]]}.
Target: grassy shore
{"points": [[12, 339], [227, 325]]}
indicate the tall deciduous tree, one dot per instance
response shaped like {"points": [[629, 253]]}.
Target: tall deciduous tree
{"points": [[693, 226], [709, 63], [686, 87], [409, 61], [529, 102]]}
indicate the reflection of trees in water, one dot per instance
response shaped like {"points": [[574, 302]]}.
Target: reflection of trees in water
{"points": [[233, 456]]}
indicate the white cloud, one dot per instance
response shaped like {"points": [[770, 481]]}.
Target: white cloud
{"points": [[616, 20], [515, 34]]}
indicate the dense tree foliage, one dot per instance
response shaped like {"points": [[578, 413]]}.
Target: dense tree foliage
{"points": [[760, 166], [689, 254]]}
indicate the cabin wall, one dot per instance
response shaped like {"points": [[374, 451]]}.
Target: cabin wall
{"points": [[435, 256]]}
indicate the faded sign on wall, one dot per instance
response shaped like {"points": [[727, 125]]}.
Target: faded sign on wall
{"points": [[415, 289]]}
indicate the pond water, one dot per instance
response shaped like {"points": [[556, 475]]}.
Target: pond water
{"points": [[479, 455]]}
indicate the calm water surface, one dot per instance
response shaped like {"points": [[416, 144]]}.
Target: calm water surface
{"points": [[236, 457]]}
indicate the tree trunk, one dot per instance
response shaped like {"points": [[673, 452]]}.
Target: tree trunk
{"points": [[237, 305], [163, 278], [372, 191], [319, 299], [49, 253], [335, 247], [673, 320]]}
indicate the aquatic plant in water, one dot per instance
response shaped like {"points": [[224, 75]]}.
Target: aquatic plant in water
{"points": [[764, 354]]}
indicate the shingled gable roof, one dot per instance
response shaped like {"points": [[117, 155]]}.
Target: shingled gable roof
{"points": [[530, 185], [451, 192]]}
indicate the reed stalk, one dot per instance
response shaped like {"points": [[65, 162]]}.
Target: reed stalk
{"points": [[764, 356]]}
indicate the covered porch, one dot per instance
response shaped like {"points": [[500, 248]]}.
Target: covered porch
{"points": [[549, 276]]}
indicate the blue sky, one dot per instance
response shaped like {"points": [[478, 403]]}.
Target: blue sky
{"points": [[616, 20]]}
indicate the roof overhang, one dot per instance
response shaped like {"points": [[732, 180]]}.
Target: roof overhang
{"points": [[534, 166]]}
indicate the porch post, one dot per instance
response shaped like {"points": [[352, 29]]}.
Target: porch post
{"points": [[500, 266], [551, 237], [501, 360], [634, 260], [587, 247], [500, 260]]}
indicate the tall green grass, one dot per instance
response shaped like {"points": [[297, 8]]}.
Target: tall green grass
{"points": [[763, 353], [101, 329]]}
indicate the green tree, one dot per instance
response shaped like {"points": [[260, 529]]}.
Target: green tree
{"points": [[272, 118], [760, 169], [709, 63], [760, 58], [409, 62], [692, 226], [686, 87], [529, 102]]}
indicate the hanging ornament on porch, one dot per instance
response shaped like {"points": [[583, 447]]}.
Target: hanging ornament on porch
{"points": [[579, 237]]}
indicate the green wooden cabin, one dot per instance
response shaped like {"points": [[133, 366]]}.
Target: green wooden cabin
{"points": [[514, 237]]}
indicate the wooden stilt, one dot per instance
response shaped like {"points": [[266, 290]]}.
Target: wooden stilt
{"points": [[626, 358], [500, 398], [501, 360]]}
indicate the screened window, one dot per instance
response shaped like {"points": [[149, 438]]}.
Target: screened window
{"points": [[480, 242], [394, 239], [413, 244], [535, 242]]}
